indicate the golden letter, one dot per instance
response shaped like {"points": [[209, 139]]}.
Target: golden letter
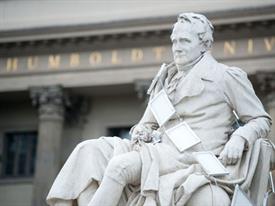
{"points": [[12, 64], [115, 59], [158, 52], [32, 62], [95, 58], [229, 47], [269, 43], [250, 46], [136, 55], [74, 60], [54, 61]]}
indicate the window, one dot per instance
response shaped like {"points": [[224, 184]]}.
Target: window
{"points": [[19, 154], [122, 132]]}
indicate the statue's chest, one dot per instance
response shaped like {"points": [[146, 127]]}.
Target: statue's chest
{"points": [[210, 100]]}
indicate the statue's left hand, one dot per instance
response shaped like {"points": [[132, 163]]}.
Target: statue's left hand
{"points": [[233, 150], [139, 135]]}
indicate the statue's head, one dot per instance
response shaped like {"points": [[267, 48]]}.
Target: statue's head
{"points": [[192, 35]]}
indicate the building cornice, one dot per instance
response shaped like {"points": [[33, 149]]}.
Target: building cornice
{"points": [[220, 19]]}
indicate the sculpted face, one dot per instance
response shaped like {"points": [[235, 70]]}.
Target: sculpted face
{"points": [[186, 45]]}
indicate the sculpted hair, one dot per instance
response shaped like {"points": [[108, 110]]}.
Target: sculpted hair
{"points": [[201, 25]]}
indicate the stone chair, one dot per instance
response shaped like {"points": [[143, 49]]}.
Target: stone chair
{"points": [[258, 188], [205, 196], [260, 182]]}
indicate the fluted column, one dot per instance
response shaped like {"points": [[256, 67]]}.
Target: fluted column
{"points": [[50, 102]]}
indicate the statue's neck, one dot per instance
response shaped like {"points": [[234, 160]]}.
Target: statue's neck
{"points": [[187, 67]]}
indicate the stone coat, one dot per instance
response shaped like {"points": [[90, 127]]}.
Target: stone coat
{"points": [[204, 99]]}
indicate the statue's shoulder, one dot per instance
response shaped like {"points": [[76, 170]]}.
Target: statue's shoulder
{"points": [[225, 72], [231, 76]]}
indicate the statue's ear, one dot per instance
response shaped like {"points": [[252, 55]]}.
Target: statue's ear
{"points": [[205, 38], [204, 47], [207, 45]]}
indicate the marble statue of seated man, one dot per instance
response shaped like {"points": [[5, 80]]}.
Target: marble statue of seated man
{"points": [[110, 171]]}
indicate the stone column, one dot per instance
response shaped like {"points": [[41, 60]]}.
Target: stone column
{"points": [[50, 102]]}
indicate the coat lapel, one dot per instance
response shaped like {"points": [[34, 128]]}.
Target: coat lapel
{"points": [[193, 83]]}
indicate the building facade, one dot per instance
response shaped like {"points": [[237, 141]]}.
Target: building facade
{"points": [[64, 83]]}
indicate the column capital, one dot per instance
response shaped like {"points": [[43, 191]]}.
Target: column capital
{"points": [[266, 86], [141, 87], [50, 101], [53, 102]]}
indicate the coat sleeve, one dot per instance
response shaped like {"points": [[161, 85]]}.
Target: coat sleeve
{"points": [[240, 95]]}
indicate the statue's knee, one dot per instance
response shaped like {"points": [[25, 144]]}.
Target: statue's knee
{"points": [[90, 145], [119, 169], [208, 196], [84, 143]]}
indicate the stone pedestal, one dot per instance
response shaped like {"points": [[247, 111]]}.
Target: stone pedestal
{"points": [[50, 103]]}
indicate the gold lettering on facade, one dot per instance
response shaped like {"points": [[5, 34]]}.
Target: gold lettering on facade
{"points": [[12, 64], [54, 61], [95, 58], [159, 52], [229, 47], [32, 62], [136, 55], [74, 60], [115, 59], [269, 43], [250, 46]]}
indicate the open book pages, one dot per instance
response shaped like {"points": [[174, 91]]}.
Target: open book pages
{"points": [[210, 163], [161, 107], [182, 136]]}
